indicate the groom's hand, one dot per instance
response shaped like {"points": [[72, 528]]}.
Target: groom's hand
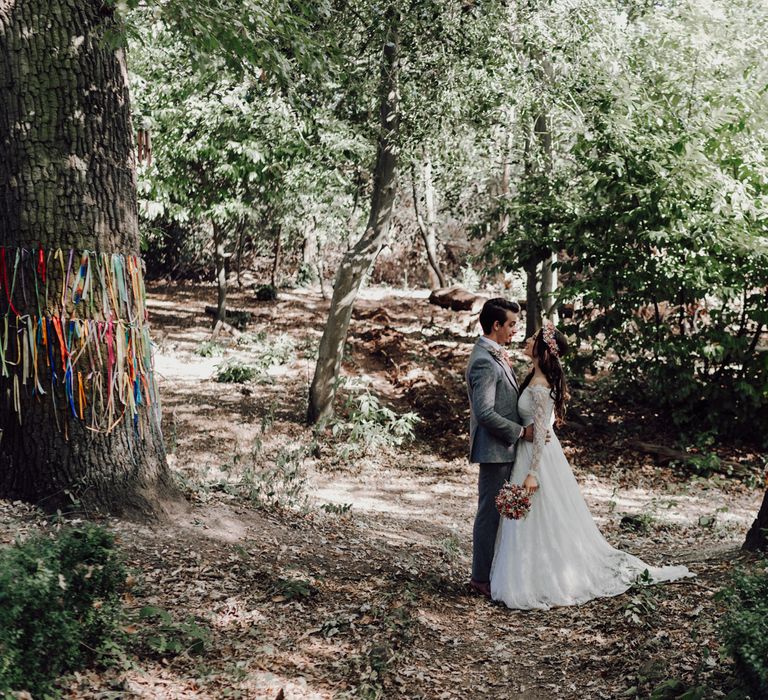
{"points": [[528, 434]]}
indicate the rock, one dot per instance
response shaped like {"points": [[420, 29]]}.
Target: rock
{"points": [[456, 298]]}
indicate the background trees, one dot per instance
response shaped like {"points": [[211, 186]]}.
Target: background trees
{"points": [[615, 149], [655, 200], [619, 147]]}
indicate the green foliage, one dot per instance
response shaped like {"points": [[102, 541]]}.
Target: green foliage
{"points": [[165, 637], [642, 606], [704, 464], [744, 628], [370, 426], [268, 350], [236, 372], [655, 190], [265, 292], [286, 589], [232, 150], [279, 486], [336, 508], [209, 348], [274, 351], [641, 522], [60, 606], [675, 689]]}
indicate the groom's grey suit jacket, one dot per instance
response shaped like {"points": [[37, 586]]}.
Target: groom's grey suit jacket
{"points": [[494, 423]]}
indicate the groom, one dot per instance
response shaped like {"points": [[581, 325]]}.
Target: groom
{"points": [[494, 427]]}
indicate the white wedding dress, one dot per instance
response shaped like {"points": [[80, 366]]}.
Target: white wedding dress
{"points": [[556, 555]]}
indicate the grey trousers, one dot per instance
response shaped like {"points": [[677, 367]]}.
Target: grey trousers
{"points": [[489, 483]]}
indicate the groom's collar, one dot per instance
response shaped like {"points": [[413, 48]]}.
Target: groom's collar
{"points": [[490, 342]]}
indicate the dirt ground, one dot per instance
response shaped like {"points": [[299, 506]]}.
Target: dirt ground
{"points": [[333, 601]]}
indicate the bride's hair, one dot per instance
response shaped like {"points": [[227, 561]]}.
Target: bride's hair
{"points": [[549, 362]]}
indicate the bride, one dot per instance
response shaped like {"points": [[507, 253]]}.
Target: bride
{"points": [[556, 555]]}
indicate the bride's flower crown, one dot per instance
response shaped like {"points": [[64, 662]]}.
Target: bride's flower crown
{"points": [[548, 336]]}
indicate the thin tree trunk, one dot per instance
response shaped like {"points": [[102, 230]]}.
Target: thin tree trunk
{"points": [[532, 310], [531, 266], [309, 251], [543, 131], [428, 228], [276, 254], [506, 174], [67, 182], [549, 287], [240, 251], [220, 255], [358, 260], [757, 537]]}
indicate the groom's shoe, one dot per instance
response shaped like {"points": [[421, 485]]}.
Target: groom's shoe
{"points": [[481, 587]]}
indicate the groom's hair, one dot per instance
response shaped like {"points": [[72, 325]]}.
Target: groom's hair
{"points": [[496, 310]]}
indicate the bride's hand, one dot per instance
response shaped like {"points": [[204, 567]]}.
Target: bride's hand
{"points": [[531, 484], [528, 434]]}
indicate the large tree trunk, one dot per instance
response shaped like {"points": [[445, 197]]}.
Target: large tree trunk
{"points": [[757, 537], [428, 228], [358, 260], [77, 429]]}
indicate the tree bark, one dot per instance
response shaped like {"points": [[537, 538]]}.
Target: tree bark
{"points": [[428, 228], [358, 260], [310, 251], [276, 252], [67, 182], [549, 287], [757, 537], [239, 252], [532, 310], [543, 131], [220, 255], [506, 174]]}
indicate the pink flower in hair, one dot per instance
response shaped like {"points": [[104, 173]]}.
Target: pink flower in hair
{"points": [[548, 336]]}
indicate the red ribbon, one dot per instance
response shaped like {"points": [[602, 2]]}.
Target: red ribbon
{"points": [[41, 263], [5, 281]]}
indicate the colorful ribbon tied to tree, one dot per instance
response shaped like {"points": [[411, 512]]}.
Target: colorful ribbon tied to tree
{"points": [[74, 331]]}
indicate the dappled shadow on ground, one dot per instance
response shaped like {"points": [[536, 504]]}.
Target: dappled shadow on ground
{"points": [[369, 595]]}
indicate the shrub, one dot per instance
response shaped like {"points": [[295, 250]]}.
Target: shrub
{"points": [[165, 637], [268, 350], [265, 292], [277, 350], [279, 486], [60, 606], [373, 426], [744, 628], [209, 348], [234, 372]]}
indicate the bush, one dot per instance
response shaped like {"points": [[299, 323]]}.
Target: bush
{"points": [[235, 372], [209, 348], [744, 628], [60, 606], [265, 292], [268, 350], [371, 426], [279, 486]]}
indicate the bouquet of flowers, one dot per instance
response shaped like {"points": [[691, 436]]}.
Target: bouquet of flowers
{"points": [[513, 501]]}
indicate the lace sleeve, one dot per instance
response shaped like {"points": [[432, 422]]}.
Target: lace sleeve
{"points": [[540, 398]]}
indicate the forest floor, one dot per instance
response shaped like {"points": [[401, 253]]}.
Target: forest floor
{"points": [[276, 587]]}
